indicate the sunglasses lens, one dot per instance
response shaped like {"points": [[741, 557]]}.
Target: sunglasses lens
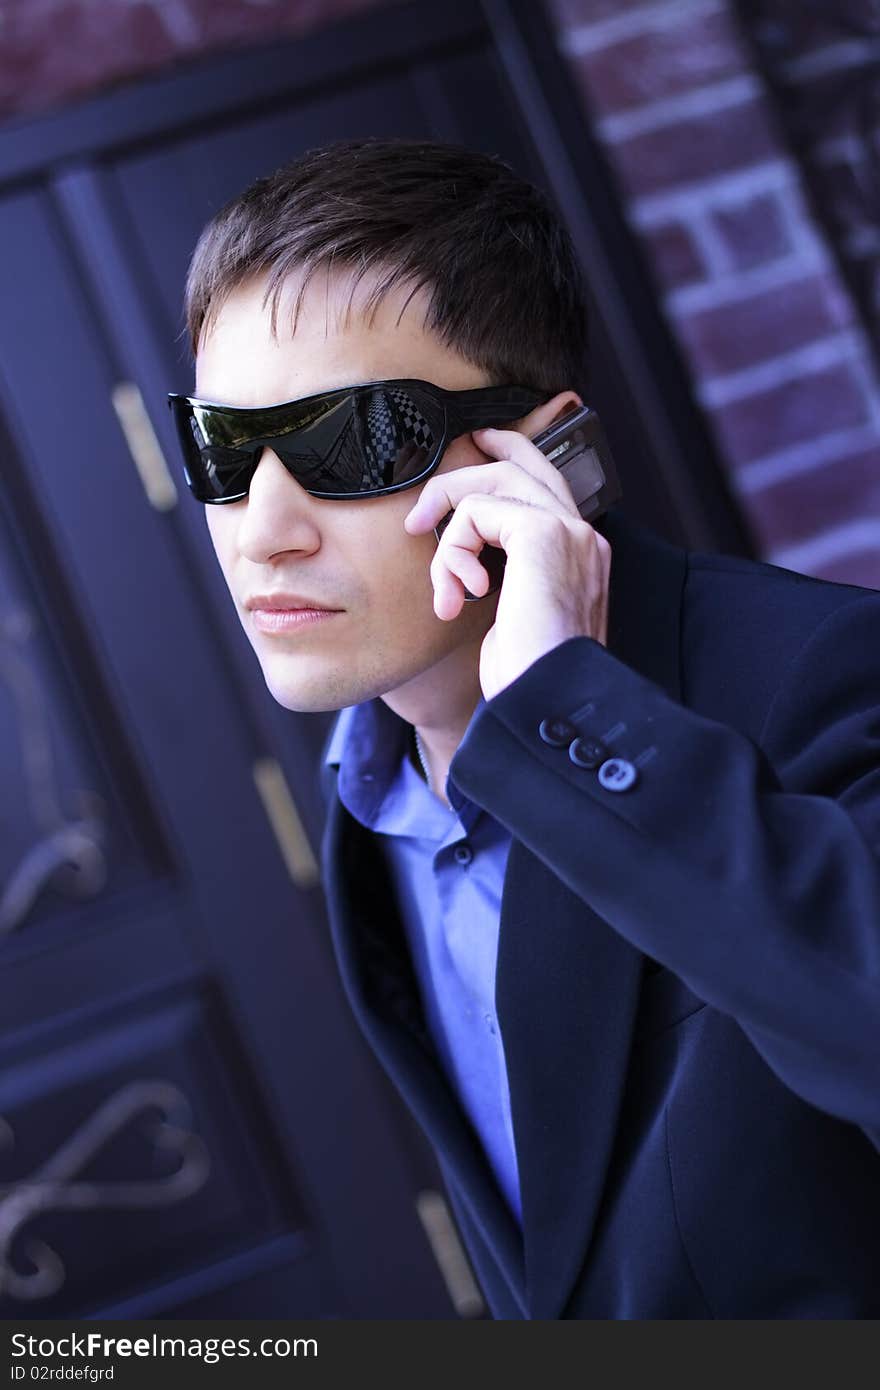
{"points": [[216, 468], [225, 472], [375, 439], [366, 441]]}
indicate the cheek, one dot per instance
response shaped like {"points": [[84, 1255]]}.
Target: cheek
{"points": [[395, 565]]}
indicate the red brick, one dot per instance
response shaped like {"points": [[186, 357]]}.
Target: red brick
{"points": [[806, 408], [222, 21], [55, 53], [753, 232], [78, 50], [816, 500], [698, 148], [736, 335], [675, 257], [660, 62]]}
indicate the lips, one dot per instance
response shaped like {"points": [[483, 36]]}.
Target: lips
{"points": [[288, 602], [290, 620]]}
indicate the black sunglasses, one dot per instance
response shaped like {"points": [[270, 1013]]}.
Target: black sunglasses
{"points": [[358, 441]]}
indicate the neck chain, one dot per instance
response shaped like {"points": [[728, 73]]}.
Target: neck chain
{"points": [[421, 758]]}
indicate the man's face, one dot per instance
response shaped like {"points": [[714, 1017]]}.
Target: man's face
{"points": [[350, 555]]}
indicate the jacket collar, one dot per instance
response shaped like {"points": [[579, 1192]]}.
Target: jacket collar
{"points": [[647, 581]]}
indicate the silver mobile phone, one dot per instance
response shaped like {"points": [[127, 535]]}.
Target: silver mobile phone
{"points": [[577, 446]]}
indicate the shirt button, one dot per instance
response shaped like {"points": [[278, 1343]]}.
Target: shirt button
{"points": [[557, 732], [587, 752], [463, 853], [617, 775]]}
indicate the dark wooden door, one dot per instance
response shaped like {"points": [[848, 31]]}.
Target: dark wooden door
{"points": [[190, 1123]]}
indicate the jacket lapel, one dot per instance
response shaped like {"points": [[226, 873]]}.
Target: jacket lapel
{"points": [[567, 985], [566, 997], [380, 982]]}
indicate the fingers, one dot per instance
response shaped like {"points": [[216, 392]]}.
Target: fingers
{"points": [[455, 565], [541, 485], [553, 539], [443, 492], [517, 502], [510, 444]]}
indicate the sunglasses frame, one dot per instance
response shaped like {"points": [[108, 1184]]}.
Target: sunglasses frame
{"points": [[462, 411]]}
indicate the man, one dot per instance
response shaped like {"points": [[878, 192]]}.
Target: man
{"points": [[601, 853]]}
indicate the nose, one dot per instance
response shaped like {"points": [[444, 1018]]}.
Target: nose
{"points": [[278, 512]]}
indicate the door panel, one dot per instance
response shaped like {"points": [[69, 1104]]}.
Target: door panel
{"points": [[190, 1121], [197, 175], [224, 916], [165, 1154]]}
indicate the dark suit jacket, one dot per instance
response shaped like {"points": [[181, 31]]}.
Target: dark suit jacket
{"points": [[688, 979]]}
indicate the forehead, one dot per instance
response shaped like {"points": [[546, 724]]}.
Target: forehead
{"points": [[338, 341]]}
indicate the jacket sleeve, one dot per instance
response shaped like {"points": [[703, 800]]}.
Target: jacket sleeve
{"points": [[749, 869]]}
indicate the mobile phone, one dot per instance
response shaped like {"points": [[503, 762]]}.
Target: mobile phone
{"points": [[577, 446]]}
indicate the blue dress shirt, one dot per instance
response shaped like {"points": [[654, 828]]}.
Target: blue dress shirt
{"points": [[448, 868]]}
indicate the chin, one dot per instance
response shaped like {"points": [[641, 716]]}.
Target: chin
{"points": [[317, 684], [319, 693]]}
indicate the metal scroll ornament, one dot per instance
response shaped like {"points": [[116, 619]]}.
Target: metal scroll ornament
{"points": [[57, 1185], [67, 853]]}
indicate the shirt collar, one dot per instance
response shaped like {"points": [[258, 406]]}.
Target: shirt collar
{"points": [[339, 735], [366, 746], [369, 725]]}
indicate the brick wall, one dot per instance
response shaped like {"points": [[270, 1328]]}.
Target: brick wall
{"points": [[779, 356], [822, 61], [54, 51], [778, 352]]}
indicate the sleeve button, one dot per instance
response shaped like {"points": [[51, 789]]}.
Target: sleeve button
{"points": [[587, 752], [557, 732], [617, 775]]}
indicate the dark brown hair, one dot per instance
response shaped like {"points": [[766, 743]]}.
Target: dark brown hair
{"points": [[505, 287]]}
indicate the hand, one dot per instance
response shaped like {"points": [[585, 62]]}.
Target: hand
{"points": [[558, 567]]}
